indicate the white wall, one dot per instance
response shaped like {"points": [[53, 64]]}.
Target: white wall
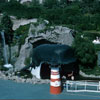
{"points": [[22, 1]]}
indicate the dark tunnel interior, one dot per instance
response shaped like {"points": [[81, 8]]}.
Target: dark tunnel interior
{"points": [[42, 41]]}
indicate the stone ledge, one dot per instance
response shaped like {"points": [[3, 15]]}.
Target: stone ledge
{"points": [[88, 76]]}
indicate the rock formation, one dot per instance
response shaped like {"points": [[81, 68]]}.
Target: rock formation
{"points": [[41, 30]]}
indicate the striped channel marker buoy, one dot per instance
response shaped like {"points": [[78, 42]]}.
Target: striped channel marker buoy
{"points": [[55, 83]]}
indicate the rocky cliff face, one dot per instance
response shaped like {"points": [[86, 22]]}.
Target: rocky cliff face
{"points": [[39, 31]]}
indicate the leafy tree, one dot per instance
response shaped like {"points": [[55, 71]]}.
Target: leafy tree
{"points": [[35, 2], [96, 20], [96, 7], [86, 5], [7, 24], [85, 52], [63, 2], [2, 1], [50, 3]]}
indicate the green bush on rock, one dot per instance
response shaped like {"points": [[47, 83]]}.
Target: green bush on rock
{"points": [[27, 61], [85, 52], [21, 33]]}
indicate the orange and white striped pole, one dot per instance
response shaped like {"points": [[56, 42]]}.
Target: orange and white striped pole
{"points": [[55, 83]]}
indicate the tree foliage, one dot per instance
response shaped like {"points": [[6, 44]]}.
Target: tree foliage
{"points": [[21, 33], [82, 15], [7, 25], [50, 3], [85, 52], [35, 3]]}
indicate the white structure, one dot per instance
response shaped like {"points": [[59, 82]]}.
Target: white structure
{"points": [[9, 0], [82, 36], [55, 76], [22, 1], [36, 72], [82, 86], [55, 83], [97, 41]]}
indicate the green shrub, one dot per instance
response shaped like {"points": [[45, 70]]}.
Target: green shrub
{"points": [[85, 52], [50, 3], [1, 62], [89, 71], [21, 33], [27, 61]]}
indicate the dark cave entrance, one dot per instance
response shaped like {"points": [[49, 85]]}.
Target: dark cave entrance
{"points": [[64, 70], [45, 71], [42, 41]]}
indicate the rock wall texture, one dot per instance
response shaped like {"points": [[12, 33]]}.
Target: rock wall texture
{"points": [[39, 31], [12, 76]]}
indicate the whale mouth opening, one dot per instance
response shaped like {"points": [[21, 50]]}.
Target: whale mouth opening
{"points": [[45, 71], [40, 42]]}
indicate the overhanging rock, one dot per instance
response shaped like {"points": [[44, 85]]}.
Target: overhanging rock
{"points": [[56, 34]]}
